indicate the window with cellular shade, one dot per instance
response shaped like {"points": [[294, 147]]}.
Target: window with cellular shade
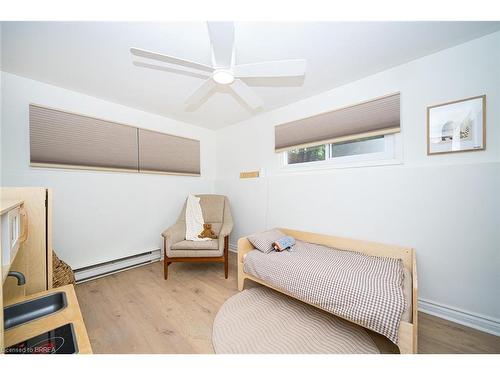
{"points": [[165, 153], [63, 139], [371, 118]]}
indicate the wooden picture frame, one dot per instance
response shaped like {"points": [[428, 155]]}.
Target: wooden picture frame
{"points": [[450, 131]]}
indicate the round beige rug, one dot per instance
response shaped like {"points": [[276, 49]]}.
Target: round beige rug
{"points": [[263, 321]]}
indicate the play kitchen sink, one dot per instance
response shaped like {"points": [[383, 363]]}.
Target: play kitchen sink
{"points": [[60, 340], [27, 311], [49, 322]]}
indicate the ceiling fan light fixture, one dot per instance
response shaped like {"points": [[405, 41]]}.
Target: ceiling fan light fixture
{"points": [[223, 71], [223, 77]]}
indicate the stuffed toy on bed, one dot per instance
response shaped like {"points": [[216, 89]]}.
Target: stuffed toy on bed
{"points": [[284, 243]]}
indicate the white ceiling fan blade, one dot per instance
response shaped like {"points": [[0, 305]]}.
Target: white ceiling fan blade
{"points": [[170, 59], [280, 68], [201, 92], [172, 70], [222, 42], [246, 94]]}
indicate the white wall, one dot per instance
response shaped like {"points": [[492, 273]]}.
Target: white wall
{"points": [[99, 216], [1, 90], [446, 206]]}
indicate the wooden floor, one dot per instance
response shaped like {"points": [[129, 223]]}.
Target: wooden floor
{"points": [[137, 311]]}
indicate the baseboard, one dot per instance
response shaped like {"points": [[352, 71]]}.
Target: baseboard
{"points": [[107, 268], [472, 320], [233, 248]]}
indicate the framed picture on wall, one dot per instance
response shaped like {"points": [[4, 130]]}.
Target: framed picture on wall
{"points": [[457, 126]]}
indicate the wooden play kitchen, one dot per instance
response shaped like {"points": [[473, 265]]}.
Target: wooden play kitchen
{"points": [[34, 317]]}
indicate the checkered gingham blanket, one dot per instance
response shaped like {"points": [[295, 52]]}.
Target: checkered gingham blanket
{"points": [[367, 290]]}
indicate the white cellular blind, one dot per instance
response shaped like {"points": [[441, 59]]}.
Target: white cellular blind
{"points": [[63, 138], [159, 152], [67, 140], [375, 117]]}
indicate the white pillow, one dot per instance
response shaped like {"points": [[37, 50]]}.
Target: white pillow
{"points": [[263, 241]]}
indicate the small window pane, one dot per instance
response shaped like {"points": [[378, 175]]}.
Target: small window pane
{"points": [[307, 154], [361, 146]]}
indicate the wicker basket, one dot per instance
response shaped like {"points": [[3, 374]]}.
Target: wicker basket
{"points": [[62, 274]]}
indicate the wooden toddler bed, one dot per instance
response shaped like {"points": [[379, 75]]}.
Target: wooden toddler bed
{"points": [[407, 333]]}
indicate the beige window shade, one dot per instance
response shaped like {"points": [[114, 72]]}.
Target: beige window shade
{"points": [[375, 117], [59, 138], [164, 153], [66, 140]]}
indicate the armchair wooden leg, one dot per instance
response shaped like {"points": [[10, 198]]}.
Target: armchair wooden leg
{"points": [[165, 260], [226, 256]]}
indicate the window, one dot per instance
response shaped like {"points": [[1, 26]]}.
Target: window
{"points": [[354, 152], [365, 133], [60, 139], [357, 147], [376, 117], [306, 154]]}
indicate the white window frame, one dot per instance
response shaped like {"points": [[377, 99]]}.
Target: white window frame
{"points": [[390, 155]]}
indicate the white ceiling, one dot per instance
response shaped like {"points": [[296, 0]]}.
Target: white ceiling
{"points": [[94, 58]]}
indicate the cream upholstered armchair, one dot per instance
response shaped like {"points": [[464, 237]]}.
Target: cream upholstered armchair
{"points": [[216, 211]]}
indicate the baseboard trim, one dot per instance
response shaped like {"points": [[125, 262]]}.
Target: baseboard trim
{"points": [[472, 320], [108, 268], [233, 248]]}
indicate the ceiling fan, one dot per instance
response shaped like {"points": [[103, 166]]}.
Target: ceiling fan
{"points": [[223, 70]]}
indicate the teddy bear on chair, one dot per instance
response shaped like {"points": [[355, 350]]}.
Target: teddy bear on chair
{"points": [[207, 232]]}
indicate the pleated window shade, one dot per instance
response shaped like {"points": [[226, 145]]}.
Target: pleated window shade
{"points": [[371, 118], [60, 139], [159, 152], [68, 139]]}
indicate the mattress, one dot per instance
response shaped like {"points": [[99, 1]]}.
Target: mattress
{"points": [[324, 277]]}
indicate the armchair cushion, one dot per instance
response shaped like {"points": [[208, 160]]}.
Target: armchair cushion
{"points": [[196, 245], [216, 228], [176, 232], [212, 207]]}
